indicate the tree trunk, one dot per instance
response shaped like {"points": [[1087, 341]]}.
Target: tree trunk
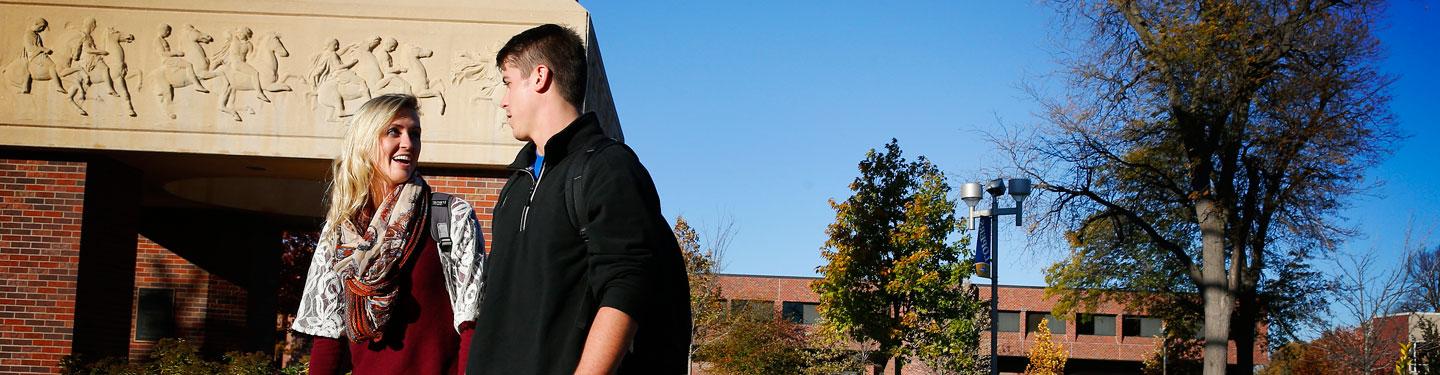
{"points": [[899, 363], [879, 366], [1247, 313], [1215, 284]]}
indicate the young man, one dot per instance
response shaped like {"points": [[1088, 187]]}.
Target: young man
{"points": [[591, 283]]}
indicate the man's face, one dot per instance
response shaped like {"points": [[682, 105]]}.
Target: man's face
{"points": [[519, 102]]}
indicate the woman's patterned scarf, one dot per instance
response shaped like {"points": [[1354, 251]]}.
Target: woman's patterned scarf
{"points": [[369, 263]]}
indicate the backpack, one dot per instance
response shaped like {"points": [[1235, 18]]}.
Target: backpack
{"points": [[575, 205], [440, 220], [575, 199], [575, 185]]}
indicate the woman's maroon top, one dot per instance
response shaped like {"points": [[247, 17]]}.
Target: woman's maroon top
{"points": [[418, 339]]}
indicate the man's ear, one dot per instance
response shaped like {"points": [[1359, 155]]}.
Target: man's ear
{"points": [[541, 78]]}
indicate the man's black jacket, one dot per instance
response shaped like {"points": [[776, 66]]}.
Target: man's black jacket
{"points": [[545, 283]]}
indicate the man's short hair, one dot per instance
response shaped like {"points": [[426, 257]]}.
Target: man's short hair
{"points": [[555, 46]]}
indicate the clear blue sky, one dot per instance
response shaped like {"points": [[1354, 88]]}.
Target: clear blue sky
{"points": [[760, 110]]}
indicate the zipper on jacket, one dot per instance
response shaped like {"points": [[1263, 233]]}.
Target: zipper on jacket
{"points": [[534, 186]]}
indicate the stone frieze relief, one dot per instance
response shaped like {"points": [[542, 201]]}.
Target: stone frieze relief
{"points": [[83, 64]]}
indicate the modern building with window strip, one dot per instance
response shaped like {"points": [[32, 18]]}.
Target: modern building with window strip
{"points": [[1108, 340]]}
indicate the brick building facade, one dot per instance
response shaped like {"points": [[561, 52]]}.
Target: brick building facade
{"points": [[1108, 340], [41, 210]]}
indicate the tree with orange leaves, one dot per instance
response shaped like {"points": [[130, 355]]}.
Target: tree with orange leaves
{"points": [[1047, 357]]}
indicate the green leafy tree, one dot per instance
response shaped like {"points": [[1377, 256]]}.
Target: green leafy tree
{"points": [[828, 354], [750, 346], [1209, 146], [894, 277]]}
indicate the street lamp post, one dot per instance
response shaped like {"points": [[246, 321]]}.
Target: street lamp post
{"points": [[989, 239]]}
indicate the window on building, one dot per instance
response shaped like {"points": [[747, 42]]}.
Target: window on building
{"points": [[1095, 325], [1032, 321], [155, 318], [755, 309], [800, 312], [1141, 326], [1009, 321]]}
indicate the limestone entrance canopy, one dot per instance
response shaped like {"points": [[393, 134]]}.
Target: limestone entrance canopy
{"points": [[265, 78]]}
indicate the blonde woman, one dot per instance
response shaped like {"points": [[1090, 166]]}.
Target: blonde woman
{"points": [[380, 285]]}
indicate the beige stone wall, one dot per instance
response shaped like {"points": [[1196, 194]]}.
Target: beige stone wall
{"points": [[443, 52]]}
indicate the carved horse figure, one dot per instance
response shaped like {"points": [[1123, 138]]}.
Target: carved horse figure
{"points": [[194, 52], [239, 75], [271, 50], [419, 81], [174, 71], [112, 68]]}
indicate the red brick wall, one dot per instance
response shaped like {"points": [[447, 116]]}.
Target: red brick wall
{"points": [[209, 311], [768, 288], [1033, 301], [225, 319], [41, 206]]}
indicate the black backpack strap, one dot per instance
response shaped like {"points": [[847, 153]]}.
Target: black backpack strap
{"points": [[505, 190], [575, 203], [440, 219]]}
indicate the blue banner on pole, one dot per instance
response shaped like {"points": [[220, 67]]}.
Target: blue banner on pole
{"points": [[983, 252]]}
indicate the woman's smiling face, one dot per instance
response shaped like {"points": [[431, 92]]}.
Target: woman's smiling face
{"points": [[399, 149]]}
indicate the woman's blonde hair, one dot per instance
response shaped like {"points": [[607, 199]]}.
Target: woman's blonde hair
{"points": [[353, 172]]}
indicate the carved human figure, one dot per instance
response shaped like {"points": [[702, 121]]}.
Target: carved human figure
{"points": [[80, 56], [326, 64], [174, 70], [172, 60], [34, 62], [230, 61], [391, 83], [333, 81], [388, 46]]}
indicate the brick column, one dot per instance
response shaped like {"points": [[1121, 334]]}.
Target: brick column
{"points": [[41, 208], [107, 259]]}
